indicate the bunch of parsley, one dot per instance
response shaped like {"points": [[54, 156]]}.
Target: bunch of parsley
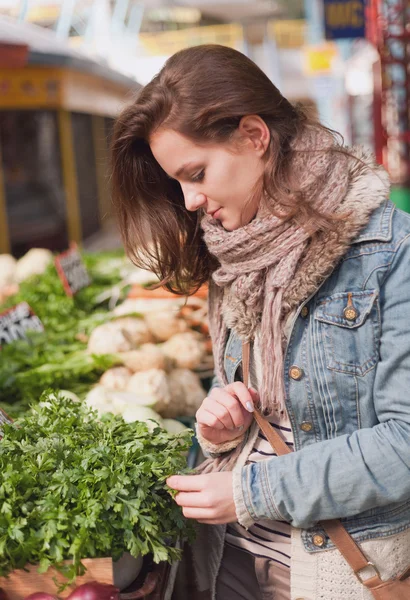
{"points": [[73, 487]]}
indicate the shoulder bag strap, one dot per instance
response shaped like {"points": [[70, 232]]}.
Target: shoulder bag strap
{"points": [[334, 529]]}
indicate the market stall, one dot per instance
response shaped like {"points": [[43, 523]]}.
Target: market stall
{"points": [[114, 373]]}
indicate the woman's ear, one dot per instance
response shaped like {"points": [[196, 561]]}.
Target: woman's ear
{"points": [[255, 132]]}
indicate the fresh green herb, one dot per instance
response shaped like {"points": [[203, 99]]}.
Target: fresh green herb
{"points": [[74, 486]]}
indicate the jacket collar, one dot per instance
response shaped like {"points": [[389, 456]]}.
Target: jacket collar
{"points": [[379, 226]]}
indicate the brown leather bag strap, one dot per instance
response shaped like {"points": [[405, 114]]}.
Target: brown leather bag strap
{"points": [[272, 436], [346, 545]]}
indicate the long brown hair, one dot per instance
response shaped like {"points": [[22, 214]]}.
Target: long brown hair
{"points": [[202, 93]]}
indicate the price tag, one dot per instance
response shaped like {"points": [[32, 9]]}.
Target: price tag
{"points": [[4, 418], [16, 321], [72, 271]]}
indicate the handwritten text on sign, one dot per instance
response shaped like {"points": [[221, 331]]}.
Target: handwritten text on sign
{"points": [[16, 321], [344, 19], [72, 271]]}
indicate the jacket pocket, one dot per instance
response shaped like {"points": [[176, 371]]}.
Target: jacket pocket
{"points": [[350, 330]]}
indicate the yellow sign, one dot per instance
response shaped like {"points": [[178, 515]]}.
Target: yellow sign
{"points": [[287, 34], [36, 88], [168, 42], [319, 59]]}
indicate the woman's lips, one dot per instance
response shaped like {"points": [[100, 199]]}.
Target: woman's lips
{"points": [[215, 215]]}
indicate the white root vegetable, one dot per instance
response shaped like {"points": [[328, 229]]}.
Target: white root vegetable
{"points": [[173, 426], [34, 262], [135, 330], [98, 399], [121, 335], [148, 356], [116, 378], [105, 339], [152, 383], [142, 413], [163, 325], [187, 393], [186, 350], [8, 265], [117, 402]]}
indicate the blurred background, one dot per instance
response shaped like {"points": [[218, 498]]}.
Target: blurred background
{"points": [[67, 67]]}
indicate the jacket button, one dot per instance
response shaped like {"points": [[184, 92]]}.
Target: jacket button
{"points": [[304, 312], [350, 313], [318, 540], [296, 372], [306, 426]]}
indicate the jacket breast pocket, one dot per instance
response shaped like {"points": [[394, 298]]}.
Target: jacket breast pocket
{"points": [[348, 325]]}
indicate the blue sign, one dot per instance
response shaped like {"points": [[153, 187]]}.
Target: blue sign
{"points": [[344, 19]]}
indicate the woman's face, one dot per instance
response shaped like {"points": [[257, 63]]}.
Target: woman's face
{"points": [[220, 178]]}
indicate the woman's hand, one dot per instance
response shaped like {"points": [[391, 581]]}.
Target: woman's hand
{"points": [[226, 413], [206, 498]]}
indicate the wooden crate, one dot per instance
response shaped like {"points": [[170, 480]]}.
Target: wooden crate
{"points": [[21, 583]]}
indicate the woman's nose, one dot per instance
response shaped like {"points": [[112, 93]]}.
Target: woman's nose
{"points": [[193, 200]]}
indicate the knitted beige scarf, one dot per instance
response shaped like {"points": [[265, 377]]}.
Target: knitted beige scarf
{"points": [[267, 268]]}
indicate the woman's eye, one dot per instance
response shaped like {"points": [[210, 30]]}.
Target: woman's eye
{"points": [[199, 177]]}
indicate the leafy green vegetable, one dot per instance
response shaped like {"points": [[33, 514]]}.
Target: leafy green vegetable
{"points": [[57, 357], [74, 486], [59, 312]]}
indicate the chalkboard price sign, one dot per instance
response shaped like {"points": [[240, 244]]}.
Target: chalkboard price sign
{"points": [[4, 418], [72, 270], [16, 321]]}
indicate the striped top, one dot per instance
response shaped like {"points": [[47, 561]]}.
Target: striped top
{"points": [[267, 539]]}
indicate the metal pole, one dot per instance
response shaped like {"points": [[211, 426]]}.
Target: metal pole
{"points": [[118, 16], [135, 18], [101, 160], [23, 10], [69, 176], [65, 18]]}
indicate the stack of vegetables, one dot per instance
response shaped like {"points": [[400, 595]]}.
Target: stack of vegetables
{"points": [[141, 359], [58, 356]]}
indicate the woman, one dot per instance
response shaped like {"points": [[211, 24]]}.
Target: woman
{"points": [[218, 178]]}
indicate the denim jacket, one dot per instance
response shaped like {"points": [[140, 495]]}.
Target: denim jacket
{"points": [[348, 398]]}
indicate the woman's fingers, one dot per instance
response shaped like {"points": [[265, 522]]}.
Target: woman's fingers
{"points": [[206, 418], [200, 514], [205, 497], [226, 407], [244, 396], [226, 412], [192, 499], [187, 483]]}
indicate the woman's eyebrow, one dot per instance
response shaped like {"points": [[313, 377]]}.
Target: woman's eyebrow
{"points": [[184, 168]]}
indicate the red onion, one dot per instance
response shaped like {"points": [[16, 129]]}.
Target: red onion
{"points": [[40, 596], [3, 595], [95, 591]]}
